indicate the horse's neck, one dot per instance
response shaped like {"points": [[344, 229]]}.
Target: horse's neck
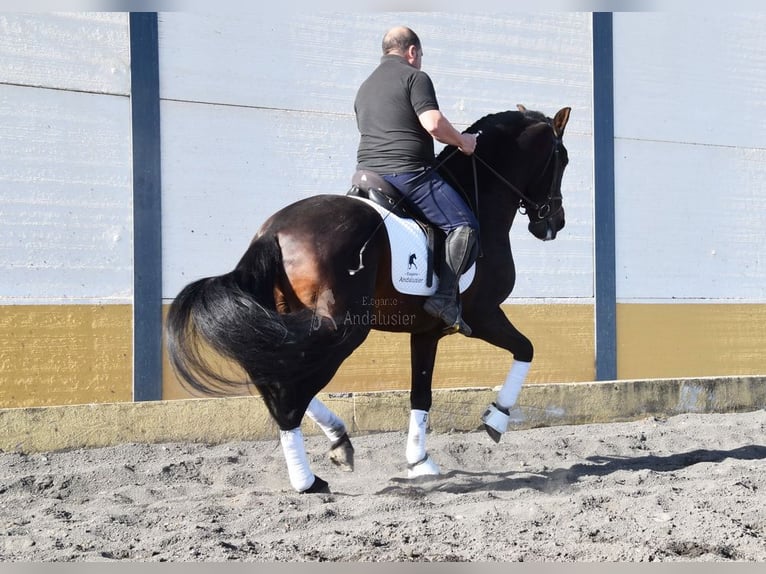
{"points": [[497, 205], [494, 231], [496, 214]]}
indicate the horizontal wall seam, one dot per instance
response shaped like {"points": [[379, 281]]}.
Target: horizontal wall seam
{"points": [[72, 90], [682, 142], [350, 114]]}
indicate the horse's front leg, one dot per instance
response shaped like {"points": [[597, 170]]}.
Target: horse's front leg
{"points": [[495, 328], [423, 356]]}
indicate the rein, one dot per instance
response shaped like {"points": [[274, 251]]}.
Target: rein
{"points": [[543, 210]]}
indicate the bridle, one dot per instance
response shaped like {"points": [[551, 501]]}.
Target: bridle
{"points": [[542, 210]]}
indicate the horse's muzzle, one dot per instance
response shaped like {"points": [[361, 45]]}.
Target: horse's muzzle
{"points": [[547, 229]]}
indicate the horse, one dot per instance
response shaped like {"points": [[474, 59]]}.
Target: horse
{"points": [[289, 312]]}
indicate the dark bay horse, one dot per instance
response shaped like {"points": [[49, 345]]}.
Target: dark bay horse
{"points": [[290, 312]]}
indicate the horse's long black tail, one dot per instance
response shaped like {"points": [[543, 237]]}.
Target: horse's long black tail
{"points": [[235, 316]]}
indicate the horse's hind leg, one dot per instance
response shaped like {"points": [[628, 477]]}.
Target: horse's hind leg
{"points": [[288, 406], [423, 356], [341, 451], [293, 399], [298, 469], [301, 477]]}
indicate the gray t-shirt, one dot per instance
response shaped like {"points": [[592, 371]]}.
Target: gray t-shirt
{"points": [[387, 106]]}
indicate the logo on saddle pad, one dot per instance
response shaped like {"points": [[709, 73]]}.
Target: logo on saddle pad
{"points": [[412, 263], [409, 255]]}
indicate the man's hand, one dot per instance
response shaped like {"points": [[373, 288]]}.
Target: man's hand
{"points": [[467, 143]]}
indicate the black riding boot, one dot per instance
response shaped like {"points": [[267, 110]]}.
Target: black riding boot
{"points": [[459, 253]]}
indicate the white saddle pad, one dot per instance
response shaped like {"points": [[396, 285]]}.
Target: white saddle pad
{"points": [[409, 255]]}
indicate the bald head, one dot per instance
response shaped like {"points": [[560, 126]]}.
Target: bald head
{"points": [[398, 40]]}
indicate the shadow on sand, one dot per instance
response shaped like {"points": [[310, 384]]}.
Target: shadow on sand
{"points": [[459, 481]]}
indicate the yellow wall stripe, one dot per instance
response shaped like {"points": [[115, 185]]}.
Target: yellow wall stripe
{"points": [[74, 354], [562, 335], [690, 340], [65, 354]]}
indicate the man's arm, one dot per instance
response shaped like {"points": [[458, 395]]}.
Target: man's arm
{"points": [[440, 128]]}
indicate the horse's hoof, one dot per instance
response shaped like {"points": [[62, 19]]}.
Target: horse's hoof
{"points": [[495, 421], [319, 487], [342, 454], [493, 434], [424, 467]]}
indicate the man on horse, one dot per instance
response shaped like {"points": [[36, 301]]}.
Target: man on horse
{"points": [[398, 118]]}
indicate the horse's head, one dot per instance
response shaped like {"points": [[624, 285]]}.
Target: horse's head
{"points": [[522, 159], [541, 143]]}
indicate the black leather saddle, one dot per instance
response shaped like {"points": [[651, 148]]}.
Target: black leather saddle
{"points": [[370, 185]]}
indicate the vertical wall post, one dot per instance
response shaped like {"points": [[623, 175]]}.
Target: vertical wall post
{"points": [[603, 153], [147, 222]]}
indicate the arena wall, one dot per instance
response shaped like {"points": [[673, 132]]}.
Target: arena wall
{"points": [[690, 168], [66, 242], [256, 113]]}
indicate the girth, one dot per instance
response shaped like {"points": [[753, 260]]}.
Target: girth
{"points": [[370, 185]]}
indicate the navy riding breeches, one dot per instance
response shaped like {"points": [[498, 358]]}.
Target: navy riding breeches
{"points": [[435, 199]]}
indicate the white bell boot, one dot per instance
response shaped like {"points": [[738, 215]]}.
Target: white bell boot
{"points": [[497, 415]]}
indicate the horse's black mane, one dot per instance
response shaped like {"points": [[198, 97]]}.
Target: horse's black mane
{"points": [[494, 128], [508, 119]]}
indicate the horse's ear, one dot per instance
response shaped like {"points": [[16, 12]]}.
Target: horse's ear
{"points": [[560, 121], [521, 108]]}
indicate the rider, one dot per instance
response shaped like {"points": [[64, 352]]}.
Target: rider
{"points": [[398, 118]]}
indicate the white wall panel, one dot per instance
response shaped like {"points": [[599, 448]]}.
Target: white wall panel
{"points": [[76, 51], [65, 196], [691, 222], [690, 121], [287, 130], [226, 169], [315, 62], [229, 168], [695, 78]]}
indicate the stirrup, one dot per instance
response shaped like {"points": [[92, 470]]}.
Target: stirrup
{"points": [[433, 307], [495, 421], [424, 467], [459, 326]]}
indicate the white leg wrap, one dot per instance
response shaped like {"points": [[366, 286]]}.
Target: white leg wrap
{"points": [[301, 477], [419, 463], [416, 438], [332, 426], [510, 390], [426, 467]]}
